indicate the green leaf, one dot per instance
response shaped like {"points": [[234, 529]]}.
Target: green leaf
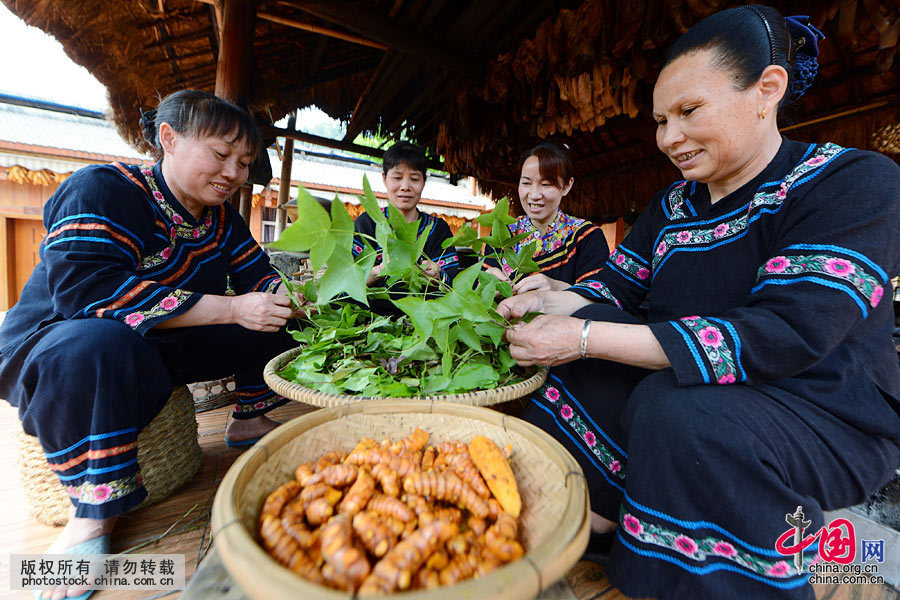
{"points": [[370, 203], [467, 335], [492, 331], [402, 228], [344, 276], [522, 262], [466, 236], [474, 377], [309, 232], [341, 224]]}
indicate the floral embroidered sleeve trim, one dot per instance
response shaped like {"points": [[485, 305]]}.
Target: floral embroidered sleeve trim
{"points": [[673, 202], [707, 552], [716, 348], [163, 308], [594, 290], [630, 266], [842, 269]]}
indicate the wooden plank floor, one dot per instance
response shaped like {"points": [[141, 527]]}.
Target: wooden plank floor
{"points": [[184, 519]]}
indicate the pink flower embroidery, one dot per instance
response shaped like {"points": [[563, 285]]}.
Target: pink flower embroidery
{"points": [[134, 319], [839, 266], [169, 302], [620, 260], [176, 218], [779, 569], [777, 264], [440, 263], [102, 492], [166, 253], [207, 221], [595, 285], [551, 394], [615, 466], [72, 491], [816, 160], [710, 336], [684, 236], [566, 412], [877, 293], [721, 230], [196, 233], [726, 379], [781, 194], [158, 195], [685, 545], [172, 231], [691, 318], [643, 273], [590, 438], [259, 405], [661, 249], [632, 525], [724, 549]]}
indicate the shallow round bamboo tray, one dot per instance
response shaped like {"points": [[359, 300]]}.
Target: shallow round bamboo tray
{"points": [[554, 524], [295, 391], [168, 453]]}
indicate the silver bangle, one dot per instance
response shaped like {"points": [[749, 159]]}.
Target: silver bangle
{"points": [[584, 337]]}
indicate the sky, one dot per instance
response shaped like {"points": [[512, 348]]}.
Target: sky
{"points": [[42, 70]]}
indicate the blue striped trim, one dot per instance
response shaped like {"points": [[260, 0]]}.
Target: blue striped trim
{"points": [[737, 344], [96, 436], [637, 257], [854, 294], [687, 198], [784, 584], [115, 294], [664, 201], [689, 342], [128, 253], [238, 249], [197, 268], [588, 417], [708, 525], [861, 257], [819, 169], [694, 224], [148, 299], [590, 456], [626, 275], [259, 255], [118, 226], [99, 471]]}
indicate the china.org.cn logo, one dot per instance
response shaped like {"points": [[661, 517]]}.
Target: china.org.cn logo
{"points": [[836, 551]]}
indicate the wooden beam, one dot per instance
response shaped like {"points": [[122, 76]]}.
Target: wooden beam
{"points": [[188, 37], [235, 54], [284, 190], [270, 132], [376, 27], [326, 31]]}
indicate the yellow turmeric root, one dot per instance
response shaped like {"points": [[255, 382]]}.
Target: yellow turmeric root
{"points": [[497, 473], [447, 487], [339, 552], [388, 479], [338, 475], [359, 493], [374, 533], [390, 506], [286, 551], [276, 500]]}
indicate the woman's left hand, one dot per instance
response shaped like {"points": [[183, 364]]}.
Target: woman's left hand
{"points": [[548, 340], [430, 268], [537, 282]]}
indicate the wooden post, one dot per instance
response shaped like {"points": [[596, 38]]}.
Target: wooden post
{"points": [[284, 189], [233, 75]]}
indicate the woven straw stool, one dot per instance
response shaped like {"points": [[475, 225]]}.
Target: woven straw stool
{"points": [[168, 453]]}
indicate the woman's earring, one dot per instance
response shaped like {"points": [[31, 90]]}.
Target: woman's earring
{"points": [[763, 113]]}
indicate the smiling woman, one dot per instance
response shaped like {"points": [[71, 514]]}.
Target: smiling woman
{"points": [[131, 299]]}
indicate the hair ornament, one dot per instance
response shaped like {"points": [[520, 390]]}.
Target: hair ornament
{"points": [[148, 117], [804, 52], [768, 27]]}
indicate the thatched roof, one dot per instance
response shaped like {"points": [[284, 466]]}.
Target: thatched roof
{"points": [[476, 81]]}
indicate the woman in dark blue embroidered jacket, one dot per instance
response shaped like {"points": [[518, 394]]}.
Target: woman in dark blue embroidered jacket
{"points": [[129, 300], [765, 378]]}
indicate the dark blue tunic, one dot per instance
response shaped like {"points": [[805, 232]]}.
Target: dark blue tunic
{"points": [[78, 352], [773, 307]]}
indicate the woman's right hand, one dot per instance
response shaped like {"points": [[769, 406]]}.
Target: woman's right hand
{"points": [[260, 311], [498, 273], [375, 273], [516, 307]]}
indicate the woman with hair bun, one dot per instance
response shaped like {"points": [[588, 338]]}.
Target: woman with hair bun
{"points": [[765, 378], [148, 279], [568, 249]]}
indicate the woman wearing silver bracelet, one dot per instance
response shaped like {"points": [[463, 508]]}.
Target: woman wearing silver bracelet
{"points": [[765, 377]]}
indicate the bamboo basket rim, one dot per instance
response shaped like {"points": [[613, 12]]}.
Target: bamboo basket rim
{"points": [[301, 393], [527, 577]]}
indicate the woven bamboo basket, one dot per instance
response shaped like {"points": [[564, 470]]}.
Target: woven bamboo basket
{"points": [[295, 391], [554, 523], [168, 453]]}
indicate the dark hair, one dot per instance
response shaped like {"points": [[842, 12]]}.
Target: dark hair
{"points": [[197, 113], [553, 163], [746, 40], [404, 153]]}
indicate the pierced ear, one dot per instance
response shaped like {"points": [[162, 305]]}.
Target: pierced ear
{"points": [[568, 187], [772, 86]]}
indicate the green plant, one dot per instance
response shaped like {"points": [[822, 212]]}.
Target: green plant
{"points": [[450, 336]]}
